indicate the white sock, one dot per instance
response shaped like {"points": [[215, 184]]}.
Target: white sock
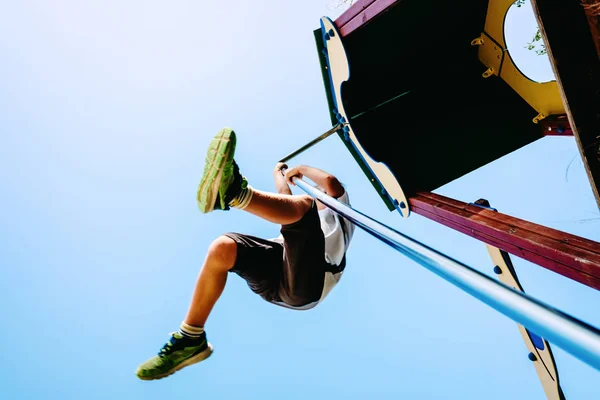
{"points": [[193, 332], [242, 200]]}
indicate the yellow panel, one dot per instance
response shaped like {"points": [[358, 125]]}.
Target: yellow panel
{"points": [[494, 21], [543, 97]]}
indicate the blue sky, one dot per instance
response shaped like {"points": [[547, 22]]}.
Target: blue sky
{"points": [[106, 109]]}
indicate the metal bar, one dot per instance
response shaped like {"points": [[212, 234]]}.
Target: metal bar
{"points": [[572, 335], [568, 255], [360, 114], [308, 145]]}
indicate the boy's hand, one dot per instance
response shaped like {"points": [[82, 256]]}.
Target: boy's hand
{"points": [[291, 173], [279, 166]]}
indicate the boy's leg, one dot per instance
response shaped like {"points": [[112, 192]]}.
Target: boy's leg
{"points": [[281, 209], [258, 261], [189, 345], [222, 186], [220, 258]]}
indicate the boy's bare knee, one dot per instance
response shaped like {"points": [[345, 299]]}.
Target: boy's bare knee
{"points": [[222, 253]]}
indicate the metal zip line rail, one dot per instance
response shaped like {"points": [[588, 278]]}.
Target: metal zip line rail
{"points": [[572, 335]]}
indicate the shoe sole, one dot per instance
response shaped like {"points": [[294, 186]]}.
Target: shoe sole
{"points": [[220, 149], [203, 355]]}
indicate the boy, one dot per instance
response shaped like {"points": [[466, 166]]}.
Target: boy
{"points": [[295, 270]]}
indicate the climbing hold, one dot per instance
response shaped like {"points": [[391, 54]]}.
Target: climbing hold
{"points": [[331, 33], [402, 205], [532, 357], [497, 270]]}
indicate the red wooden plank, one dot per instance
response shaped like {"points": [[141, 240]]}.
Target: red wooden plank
{"points": [[556, 125], [352, 12], [564, 237], [565, 253], [360, 14], [552, 265], [568, 255]]}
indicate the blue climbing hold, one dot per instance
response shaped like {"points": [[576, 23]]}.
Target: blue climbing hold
{"points": [[537, 341], [497, 270], [532, 357]]}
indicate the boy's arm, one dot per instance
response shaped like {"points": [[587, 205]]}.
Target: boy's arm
{"points": [[325, 180], [280, 183]]}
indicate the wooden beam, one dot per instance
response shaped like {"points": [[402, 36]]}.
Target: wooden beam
{"points": [[571, 46], [360, 14], [571, 256], [556, 125]]}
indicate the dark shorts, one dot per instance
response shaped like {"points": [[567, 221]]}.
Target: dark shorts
{"points": [[292, 272]]}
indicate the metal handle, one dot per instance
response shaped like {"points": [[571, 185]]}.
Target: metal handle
{"points": [[313, 142]]}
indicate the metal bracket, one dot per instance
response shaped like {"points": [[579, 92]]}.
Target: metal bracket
{"points": [[483, 203], [488, 72], [539, 117], [477, 41]]}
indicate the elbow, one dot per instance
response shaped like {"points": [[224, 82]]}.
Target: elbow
{"points": [[334, 187]]}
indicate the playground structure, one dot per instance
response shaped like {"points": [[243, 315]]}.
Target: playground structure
{"points": [[437, 80]]}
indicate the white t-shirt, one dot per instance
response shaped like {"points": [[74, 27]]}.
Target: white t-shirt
{"points": [[337, 240]]}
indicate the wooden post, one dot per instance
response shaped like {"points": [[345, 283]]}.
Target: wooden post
{"points": [[571, 45]]}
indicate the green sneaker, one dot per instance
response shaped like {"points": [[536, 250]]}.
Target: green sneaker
{"points": [[221, 181], [177, 353]]}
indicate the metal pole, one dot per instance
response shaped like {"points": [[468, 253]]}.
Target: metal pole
{"points": [[330, 132], [572, 335]]}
